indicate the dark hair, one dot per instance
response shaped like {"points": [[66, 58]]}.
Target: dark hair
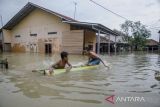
{"points": [[88, 49], [64, 54]]}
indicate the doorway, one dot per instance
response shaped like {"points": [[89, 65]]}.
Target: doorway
{"points": [[7, 47], [48, 48]]}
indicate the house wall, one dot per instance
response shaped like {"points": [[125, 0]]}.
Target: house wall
{"points": [[1, 41], [72, 41], [7, 37], [90, 39], [37, 22]]}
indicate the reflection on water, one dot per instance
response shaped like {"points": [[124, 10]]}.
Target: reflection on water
{"points": [[32, 88], [131, 73], [79, 100]]}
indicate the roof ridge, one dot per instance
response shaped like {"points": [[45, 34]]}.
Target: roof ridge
{"points": [[26, 9], [41, 7]]}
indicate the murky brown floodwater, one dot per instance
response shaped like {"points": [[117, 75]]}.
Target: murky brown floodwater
{"points": [[130, 75]]}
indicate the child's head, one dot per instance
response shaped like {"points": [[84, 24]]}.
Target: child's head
{"points": [[87, 50], [64, 55]]}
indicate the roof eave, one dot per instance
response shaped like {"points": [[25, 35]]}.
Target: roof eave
{"points": [[95, 26]]}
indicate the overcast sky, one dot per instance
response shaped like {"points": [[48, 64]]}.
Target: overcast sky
{"points": [[146, 11]]}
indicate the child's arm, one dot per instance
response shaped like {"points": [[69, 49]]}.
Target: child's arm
{"points": [[69, 64], [51, 68], [68, 68]]}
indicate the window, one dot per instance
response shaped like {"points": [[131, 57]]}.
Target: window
{"points": [[17, 36], [50, 33], [33, 34]]}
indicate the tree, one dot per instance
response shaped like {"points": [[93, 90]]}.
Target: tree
{"points": [[122, 34], [136, 34]]}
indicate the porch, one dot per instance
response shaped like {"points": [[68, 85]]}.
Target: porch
{"points": [[89, 37]]}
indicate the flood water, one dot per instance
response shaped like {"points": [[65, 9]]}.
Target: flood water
{"points": [[130, 75]]}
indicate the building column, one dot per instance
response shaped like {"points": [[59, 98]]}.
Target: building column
{"points": [[147, 49], [98, 42], [152, 48], [115, 47], [109, 44]]}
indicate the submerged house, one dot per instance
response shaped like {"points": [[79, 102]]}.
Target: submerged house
{"points": [[151, 45], [104, 45], [37, 29], [111, 43]]}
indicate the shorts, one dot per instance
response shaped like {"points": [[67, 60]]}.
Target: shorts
{"points": [[94, 61]]}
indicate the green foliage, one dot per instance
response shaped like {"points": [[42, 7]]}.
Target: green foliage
{"points": [[136, 34]]}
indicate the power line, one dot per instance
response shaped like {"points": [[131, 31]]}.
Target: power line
{"points": [[156, 27], [155, 22], [116, 13], [108, 10]]}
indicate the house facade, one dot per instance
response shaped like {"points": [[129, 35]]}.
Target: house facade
{"points": [[36, 29]]}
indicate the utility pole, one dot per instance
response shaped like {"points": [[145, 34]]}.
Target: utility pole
{"points": [[75, 9], [2, 36]]}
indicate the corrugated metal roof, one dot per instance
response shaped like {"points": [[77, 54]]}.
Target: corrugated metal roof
{"points": [[94, 26], [29, 7]]}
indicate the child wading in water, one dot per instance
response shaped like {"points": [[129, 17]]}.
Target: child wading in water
{"points": [[61, 63]]}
